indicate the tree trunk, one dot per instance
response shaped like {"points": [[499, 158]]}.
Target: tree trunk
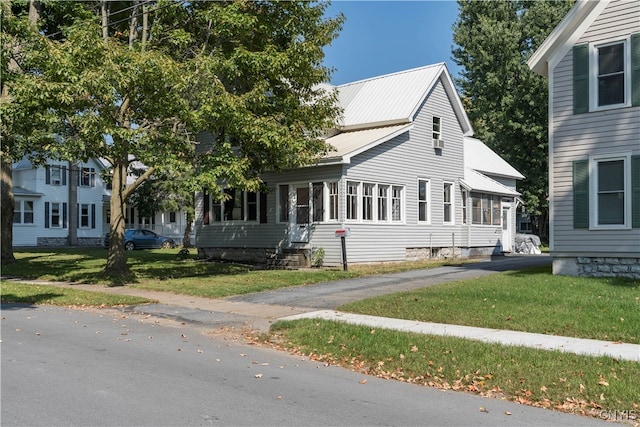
{"points": [[6, 240], [186, 240], [6, 167], [117, 260]]}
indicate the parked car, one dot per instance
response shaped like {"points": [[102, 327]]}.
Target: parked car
{"points": [[143, 239]]}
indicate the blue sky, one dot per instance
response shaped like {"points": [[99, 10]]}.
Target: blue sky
{"points": [[381, 37]]}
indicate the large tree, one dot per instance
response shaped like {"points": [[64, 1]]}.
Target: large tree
{"points": [[137, 81], [506, 102]]}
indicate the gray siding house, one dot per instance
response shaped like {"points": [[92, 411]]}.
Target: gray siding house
{"points": [[592, 61], [398, 178]]}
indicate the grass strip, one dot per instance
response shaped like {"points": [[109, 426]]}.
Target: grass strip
{"points": [[550, 379], [27, 293], [531, 300]]}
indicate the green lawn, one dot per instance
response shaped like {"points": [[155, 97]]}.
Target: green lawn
{"points": [[165, 270], [28, 293], [531, 300]]}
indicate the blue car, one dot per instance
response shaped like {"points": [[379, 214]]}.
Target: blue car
{"points": [[143, 239]]}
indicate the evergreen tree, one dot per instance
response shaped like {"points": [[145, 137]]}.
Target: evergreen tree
{"points": [[506, 102]]}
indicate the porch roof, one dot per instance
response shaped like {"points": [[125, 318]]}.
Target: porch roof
{"points": [[348, 144], [19, 191], [475, 181]]}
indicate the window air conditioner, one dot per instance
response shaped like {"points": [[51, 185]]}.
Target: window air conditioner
{"points": [[438, 143]]}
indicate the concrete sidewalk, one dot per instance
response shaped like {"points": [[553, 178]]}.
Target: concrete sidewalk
{"points": [[588, 347]]}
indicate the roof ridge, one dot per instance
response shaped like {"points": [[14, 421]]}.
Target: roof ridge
{"points": [[391, 74]]}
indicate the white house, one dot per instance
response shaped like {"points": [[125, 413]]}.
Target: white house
{"points": [[54, 209], [592, 62], [404, 178]]}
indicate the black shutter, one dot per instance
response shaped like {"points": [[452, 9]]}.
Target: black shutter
{"points": [[64, 215], [263, 207], [635, 191], [635, 69], [47, 169], [581, 194], [92, 176], [205, 207], [93, 215], [63, 173], [78, 215], [46, 214], [581, 79]]}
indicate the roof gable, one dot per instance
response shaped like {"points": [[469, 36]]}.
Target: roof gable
{"points": [[395, 98], [565, 35]]}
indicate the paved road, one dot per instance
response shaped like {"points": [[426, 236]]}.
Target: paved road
{"points": [[64, 367]]}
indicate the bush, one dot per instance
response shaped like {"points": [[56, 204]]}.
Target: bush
{"points": [[317, 257]]}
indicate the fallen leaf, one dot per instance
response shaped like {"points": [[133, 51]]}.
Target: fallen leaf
{"points": [[483, 409], [543, 388], [258, 375], [414, 349], [507, 413], [604, 383], [363, 382]]}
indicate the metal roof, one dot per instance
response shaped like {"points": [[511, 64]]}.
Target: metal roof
{"points": [[23, 192], [481, 158], [395, 98], [348, 144], [475, 181]]}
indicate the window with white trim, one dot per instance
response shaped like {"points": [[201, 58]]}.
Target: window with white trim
{"points": [[23, 212], [436, 127], [367, 201], [383, 202], [604, 74], [610, 191], [87, 177], [238, 205], [352, 200], [447, 203], [485, 209], [465, 194], [55, 215], [396, 203], [423, 200], [332, 188], [84, 215], [56, 175]]}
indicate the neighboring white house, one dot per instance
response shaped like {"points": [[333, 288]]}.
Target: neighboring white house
{"points": [[592, 61], [53, 210], [403, 178]]}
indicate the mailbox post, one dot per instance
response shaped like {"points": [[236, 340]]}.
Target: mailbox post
{"points": [[343, 234]]}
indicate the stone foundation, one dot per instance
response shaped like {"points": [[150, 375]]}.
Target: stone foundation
{"points": [[87, 242], [597, 267], [420, 254], [246, 255]]}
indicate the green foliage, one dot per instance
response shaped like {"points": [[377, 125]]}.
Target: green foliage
{"points": [[317, 257], [506, 102], [246, 72]]}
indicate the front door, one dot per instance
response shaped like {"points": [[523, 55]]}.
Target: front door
{"points": [[299, 213], [506, 228]]}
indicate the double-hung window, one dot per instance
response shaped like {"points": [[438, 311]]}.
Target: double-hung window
{"points": [[23, 212], [423, 200], [238, 205], [396, 203], [87, 177], [352, 200], [332, 188], [605, 74], [447, 203], [436, 128], [383, 202], [367, 201]]}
